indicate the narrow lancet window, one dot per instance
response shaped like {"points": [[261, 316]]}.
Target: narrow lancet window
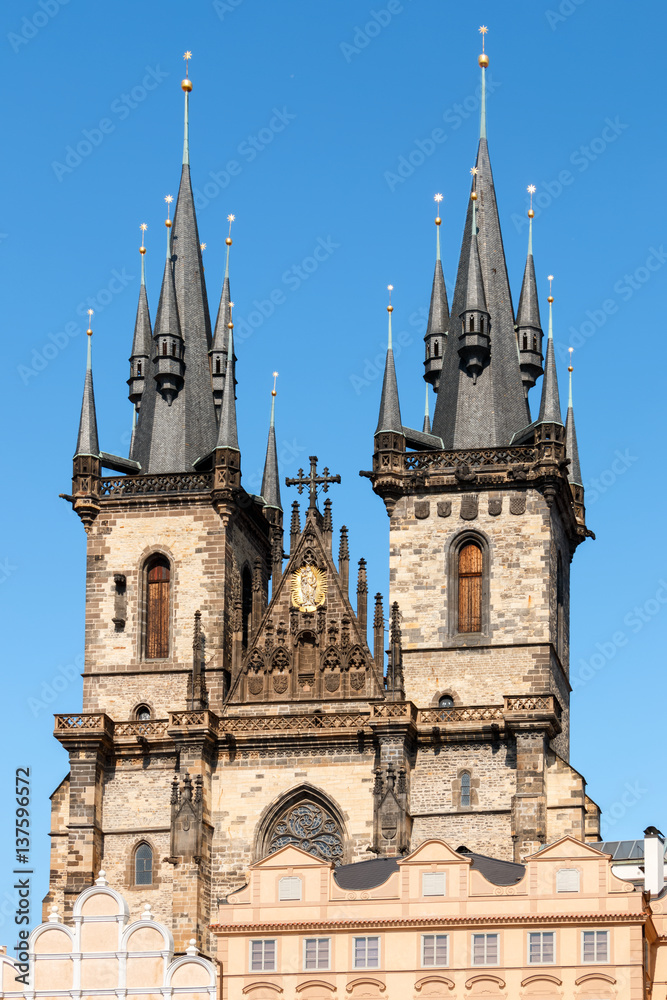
{"points": [[143, 865], [157, 609], [465, 789], [470, 588]]}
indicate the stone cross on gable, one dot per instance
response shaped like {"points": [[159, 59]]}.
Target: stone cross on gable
{"points": [[312, 481]]}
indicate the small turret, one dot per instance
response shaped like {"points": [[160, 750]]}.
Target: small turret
{"points": [[572, 452], [438, 316], [167, 339], [528, 325], [474, 339], [549, 423], [142, 343], [218, 352], [227, 453]]}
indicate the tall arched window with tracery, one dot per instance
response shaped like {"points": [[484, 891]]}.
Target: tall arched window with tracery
{"points": [[158, 581], [470, 587], [308, 824], [143, 865]]}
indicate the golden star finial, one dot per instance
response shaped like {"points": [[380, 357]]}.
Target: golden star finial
{"points": [[531, 189], [89, 331], [187, 56], [437, 197], [569, 367], [230, 218], [473, 171], [143, 227], [273, 391], [202, 246], [168, 199]]}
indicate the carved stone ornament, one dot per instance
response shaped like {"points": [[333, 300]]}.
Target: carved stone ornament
{"points": [[495, 506], [311, 828], [422, 509], [518, 504], [444, 508], [332, 682], [255, 685], [357, 680], [280, 684], [469, 505], [309, 588]]}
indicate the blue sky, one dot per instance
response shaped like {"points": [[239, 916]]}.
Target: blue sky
{"points": [[313, 123]]}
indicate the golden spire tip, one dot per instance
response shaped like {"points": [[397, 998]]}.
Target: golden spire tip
{"points": [[570, 368], [89, 331], [531, 189], [143, 227], [273, 391], [438, 198], [550, 297], [483, 59], [390, 289], [169, 198], [186, 84]]}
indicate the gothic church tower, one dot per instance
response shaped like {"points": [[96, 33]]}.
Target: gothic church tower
{"points": [[218, 723]]}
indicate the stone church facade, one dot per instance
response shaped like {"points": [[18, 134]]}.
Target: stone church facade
{"points": [[233, 703]]}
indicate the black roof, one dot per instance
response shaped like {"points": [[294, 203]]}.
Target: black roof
{"points": [[621, 850], [365, 874], [493, 869]]}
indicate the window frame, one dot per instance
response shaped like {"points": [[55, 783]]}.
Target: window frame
{"points": [[366, 938], [569, 891], [149, 562], [596, 960], [541, 961], [317, 967], [434, 895], [135, 882], [293, 879], [263, 942], [485, 964], [435, 964], [456, 544]]}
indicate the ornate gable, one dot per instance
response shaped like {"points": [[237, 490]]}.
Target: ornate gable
{"points": [[309, 645]]}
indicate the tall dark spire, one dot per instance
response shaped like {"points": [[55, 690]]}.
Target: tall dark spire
{"points": [[390, 410], [489, 411], [271, 478], [221, 334], [174, 433], [528, 323], [87, 442], [550, 402], [438, 316], [571, 447], [142, 342], [227, 432]]}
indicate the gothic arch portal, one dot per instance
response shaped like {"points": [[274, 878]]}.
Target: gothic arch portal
{"points": [[306, 818]]}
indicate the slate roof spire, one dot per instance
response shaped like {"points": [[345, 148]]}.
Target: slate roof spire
{"points": [[142, 342], [571, 447], [550, 402], [426, 429], [87, 442], [528, 323], [221, 334], [227, 432], [438, 315], [271, 478], [489, 411], [175, 430], [390, 410]]}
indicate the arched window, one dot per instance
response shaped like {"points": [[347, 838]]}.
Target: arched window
{"points": [[217, 366], [246, 604], [465, 789], [436, 350], [143, 865], [534, 341], [525, 342], [481, 324], [138, 369], [307, 823], [446, 701], [164, 348], [472, 324], [470, 588], [142, 713], [157, 608]]}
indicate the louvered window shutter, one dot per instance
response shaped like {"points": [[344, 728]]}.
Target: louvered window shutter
{"points": [[157, 611], [470, 588]]}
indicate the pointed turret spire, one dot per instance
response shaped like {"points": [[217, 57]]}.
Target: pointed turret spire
{"points": [[142, 342], [550, 403], [426, 429], [271, 479], [87, 442], [488, 411], [571, 447], [474, 338], [168, 341], [528, 323], [438, 315], [221, 335], [227, 432], [390, 411], [175, 431]]}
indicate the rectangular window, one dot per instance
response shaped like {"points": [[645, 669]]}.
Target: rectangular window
{"points": [[433, 884], [595, 946], [485, 949], [289, 888], [541, 948], [567, 880], [316, 953], [435, 949], [367, 953], [263, 955]]}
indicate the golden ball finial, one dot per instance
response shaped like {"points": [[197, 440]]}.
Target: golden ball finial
{"points": [[438, 220], [228, 241], [473, 196], [186, 85], [142, 250], [570, 368], [550, 299], [273, 392], [167, 223], [483, 60], [390, 309], [230, 325], [531, 213]]}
